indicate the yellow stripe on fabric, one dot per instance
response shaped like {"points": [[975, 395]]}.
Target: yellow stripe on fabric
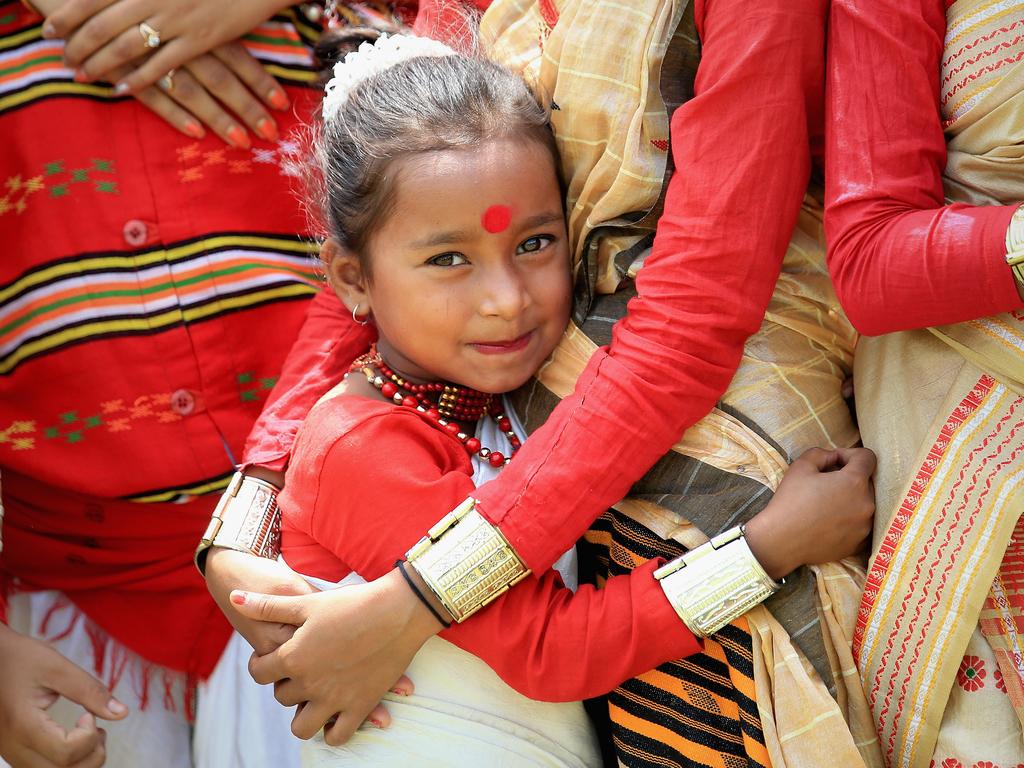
{"points": [[663, 735], [143, 324], [196, 490], [237, 302], [174, 253], [300, 75], [985, 20], [27, 36], [49, 89]]}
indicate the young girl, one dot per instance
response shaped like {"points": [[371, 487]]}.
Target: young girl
{"points": [[447, 232]]}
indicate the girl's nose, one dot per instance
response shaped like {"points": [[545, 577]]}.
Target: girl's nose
{"points": [[504, 294]]}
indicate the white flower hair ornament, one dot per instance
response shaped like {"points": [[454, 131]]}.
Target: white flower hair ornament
{"points": [[370, 59]]}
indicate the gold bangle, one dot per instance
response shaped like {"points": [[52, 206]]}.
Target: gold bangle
{"points": [[466, 562], [715, 583], [1015, 245], [247, 519]]}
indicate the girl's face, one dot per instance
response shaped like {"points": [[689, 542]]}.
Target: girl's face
{"points": [[470, 271]]}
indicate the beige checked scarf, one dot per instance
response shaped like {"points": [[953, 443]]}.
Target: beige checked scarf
{"points": [[599, 63], [951, 485]]}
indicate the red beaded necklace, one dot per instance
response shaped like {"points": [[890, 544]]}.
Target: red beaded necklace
{"points": [[443, 403]]}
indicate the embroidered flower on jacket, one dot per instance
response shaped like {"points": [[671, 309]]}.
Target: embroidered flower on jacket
{"points": [[951, 762], [998, 677], [971, 675]]}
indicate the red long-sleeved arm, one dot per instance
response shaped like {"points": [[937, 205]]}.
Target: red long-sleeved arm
{"points": [[362, 497], [741, 150], [900, 258], [328, 342]]}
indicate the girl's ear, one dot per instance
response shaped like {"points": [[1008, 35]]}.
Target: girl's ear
{"points": [[346, 275]]}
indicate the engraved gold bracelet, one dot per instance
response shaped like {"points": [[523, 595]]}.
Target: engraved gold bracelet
{"points": [[466, 561], [715, 583]]}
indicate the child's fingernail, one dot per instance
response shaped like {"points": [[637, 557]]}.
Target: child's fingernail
{"points": [[121, 89], [265, 127], [116, 707], [278, 99], [49, 31], [238, 138], [399, 692], [239, 598], [376, 723], [81, 77], [193, 129]]}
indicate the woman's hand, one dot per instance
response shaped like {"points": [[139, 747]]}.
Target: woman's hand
{"points": [[104, 35], [821, 512], [352, 646], [34, 676], [212, 90]]}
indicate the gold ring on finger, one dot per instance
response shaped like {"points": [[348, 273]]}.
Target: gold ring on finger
{"points": [[150, 36], [166, 82]]}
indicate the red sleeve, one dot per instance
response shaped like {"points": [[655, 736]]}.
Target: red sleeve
{"points": [[327, 344], [741, 147], [900, 258], [398, 474]]}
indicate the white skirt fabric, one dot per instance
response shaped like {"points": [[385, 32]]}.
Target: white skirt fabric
{"points": [[238, 723]]}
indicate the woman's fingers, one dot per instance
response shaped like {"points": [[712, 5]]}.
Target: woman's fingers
{"points": [[227, 87], [165, 107], [192, 95], [237, 58], [113, 30], [71, 15]]}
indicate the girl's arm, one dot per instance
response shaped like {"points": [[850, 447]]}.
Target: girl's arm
{"points": [[899, 256], [369, 495]]}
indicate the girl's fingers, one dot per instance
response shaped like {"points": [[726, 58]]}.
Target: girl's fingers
{"points": [[237, 58], [309, 719], [192, 95], [165, 107], [225, 86]]}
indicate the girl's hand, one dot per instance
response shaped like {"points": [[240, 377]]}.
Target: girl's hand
{"points": [[351, 647], [821, 512], [227, 569], [104, 35], [34, 676], [212, 89]]}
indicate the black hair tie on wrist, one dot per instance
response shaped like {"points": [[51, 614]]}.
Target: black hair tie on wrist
{"points": [[400, 564]]}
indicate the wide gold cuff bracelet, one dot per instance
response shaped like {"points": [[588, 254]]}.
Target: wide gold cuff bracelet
{"points": [[715, 583], [466, 561], [246, 519], [1015, 245]]}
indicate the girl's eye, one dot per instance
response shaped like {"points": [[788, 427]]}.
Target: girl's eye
{"points": [[447, 260], [534, 244]]}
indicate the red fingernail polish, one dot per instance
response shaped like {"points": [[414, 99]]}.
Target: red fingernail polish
{"points": [[278, 99], [376, 723], [266, 128], [399, 692], [238, 598], [195, 130], [238, 138]]}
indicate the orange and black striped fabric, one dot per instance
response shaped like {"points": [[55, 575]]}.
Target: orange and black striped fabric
{"points": [[697, 711]]}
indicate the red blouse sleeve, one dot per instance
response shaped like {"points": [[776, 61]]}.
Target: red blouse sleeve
{"points": [[742, 147], [900, 258], [370, 494], [327, 343]]}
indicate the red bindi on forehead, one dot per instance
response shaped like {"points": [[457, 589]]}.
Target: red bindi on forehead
{"points": [[496, 218]]}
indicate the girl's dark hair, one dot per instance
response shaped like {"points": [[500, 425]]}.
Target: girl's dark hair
{"points": [[423, 104]]}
